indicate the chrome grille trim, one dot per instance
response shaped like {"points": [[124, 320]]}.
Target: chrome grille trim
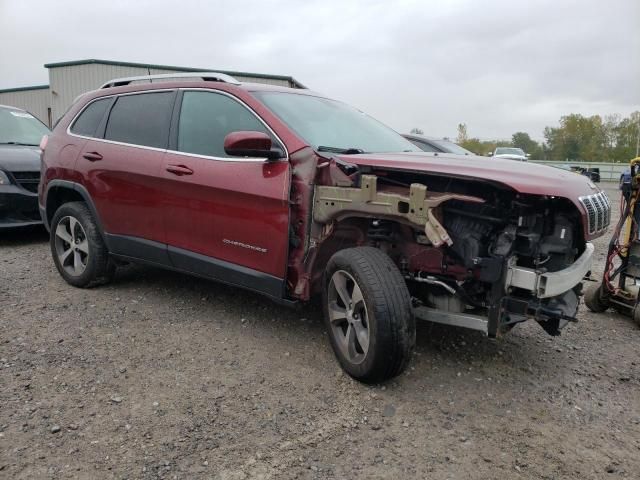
{"points": [[598, 208]]}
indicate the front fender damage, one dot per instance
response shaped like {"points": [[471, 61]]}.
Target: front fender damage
{"points": [[488, 259]]}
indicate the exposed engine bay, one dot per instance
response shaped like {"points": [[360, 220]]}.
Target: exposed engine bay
{"points": [[474, 254]]}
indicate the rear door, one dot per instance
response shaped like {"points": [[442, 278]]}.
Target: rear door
{"points": [[225, 217], [123, 170]]}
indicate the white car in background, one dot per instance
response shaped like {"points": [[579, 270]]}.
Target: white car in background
{"points": [[511, 153]]}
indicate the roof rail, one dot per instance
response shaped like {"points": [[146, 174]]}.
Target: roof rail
{"points": [[205, 76]]}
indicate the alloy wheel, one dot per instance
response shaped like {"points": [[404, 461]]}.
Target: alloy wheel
{"points": [[72, 246], [348, 316]]}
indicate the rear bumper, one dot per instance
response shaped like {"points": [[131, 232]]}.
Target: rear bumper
{"points": [[18, 207], [551, 284]]}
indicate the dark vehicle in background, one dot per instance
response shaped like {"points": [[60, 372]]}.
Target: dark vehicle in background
{"points": [[438, 145], [592, 174], [20, 136]]}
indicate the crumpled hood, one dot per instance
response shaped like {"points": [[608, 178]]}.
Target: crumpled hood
{"points": [[18, 158], [524, 177]]}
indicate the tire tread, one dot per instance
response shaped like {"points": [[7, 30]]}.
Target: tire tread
{"points": [[392, 306]]}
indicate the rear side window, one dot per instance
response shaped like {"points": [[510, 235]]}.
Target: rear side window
{"points": [[207, 117], [141, 119], [89, 120]]}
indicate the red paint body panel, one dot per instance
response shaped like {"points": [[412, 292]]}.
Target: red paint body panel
{"points": [[246, 141], [523, 177], [59, 160], [126, 188], [224, 202]]}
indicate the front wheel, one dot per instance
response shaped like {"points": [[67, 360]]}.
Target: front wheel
{"points": [[368, 314]]}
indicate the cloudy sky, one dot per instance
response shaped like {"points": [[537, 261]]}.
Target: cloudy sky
{"points": [[500, 66]]}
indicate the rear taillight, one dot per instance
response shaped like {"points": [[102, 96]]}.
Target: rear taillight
{"points": [[43, 142]]}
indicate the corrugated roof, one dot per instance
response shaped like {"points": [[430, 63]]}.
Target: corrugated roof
{"points": [[22, 89], [171, 67]]}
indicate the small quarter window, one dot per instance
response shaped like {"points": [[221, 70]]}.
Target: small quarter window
{"points": [[89, 120]]}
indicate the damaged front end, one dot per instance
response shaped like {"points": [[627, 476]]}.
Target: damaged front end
{"points": [[474, 254]]}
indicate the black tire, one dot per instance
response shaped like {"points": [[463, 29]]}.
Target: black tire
{"points": [[96, 266], [390, 324], [594, 299]]}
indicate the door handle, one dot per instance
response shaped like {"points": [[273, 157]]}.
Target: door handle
{"points": [[179, 170], [92, 156]]}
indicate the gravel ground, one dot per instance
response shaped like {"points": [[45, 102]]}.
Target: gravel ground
{"points": [[159, 375]]}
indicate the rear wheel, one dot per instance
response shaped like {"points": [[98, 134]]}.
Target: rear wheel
{"points": [[368, 314], [594, 299], [78, 250]]}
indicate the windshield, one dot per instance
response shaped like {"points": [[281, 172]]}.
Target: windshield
{"points": [[334, 126], [451, 147], [509, 151], [21, 128]]}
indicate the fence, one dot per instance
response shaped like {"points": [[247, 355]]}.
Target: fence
{"points": [[609, 172]]}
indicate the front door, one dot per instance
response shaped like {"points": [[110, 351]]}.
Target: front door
{"points": [[225, 217]]}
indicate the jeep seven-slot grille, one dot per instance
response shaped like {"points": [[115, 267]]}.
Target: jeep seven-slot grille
{"points": [[598, 211], [27, 180]]}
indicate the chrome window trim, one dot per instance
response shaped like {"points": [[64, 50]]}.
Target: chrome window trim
{"points": [[177, 152]]}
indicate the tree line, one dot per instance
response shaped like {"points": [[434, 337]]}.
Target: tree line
{"points": [[613, 138]]}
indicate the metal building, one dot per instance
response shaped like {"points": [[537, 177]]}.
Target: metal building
{"points": [[33, 99], [67, 80]]}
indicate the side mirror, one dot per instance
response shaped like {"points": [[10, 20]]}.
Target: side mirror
{"points": [[250, 144]]}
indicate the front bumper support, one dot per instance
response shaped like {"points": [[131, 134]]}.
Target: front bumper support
{"points": [[550, 284]]}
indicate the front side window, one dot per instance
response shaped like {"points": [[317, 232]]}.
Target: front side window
{"points": [[141, 119], [207, 117], [328, 125], [87, 123], [18, 127]]}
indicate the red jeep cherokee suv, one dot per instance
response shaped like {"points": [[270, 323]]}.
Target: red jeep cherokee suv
{"points": [[293, 195]]}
